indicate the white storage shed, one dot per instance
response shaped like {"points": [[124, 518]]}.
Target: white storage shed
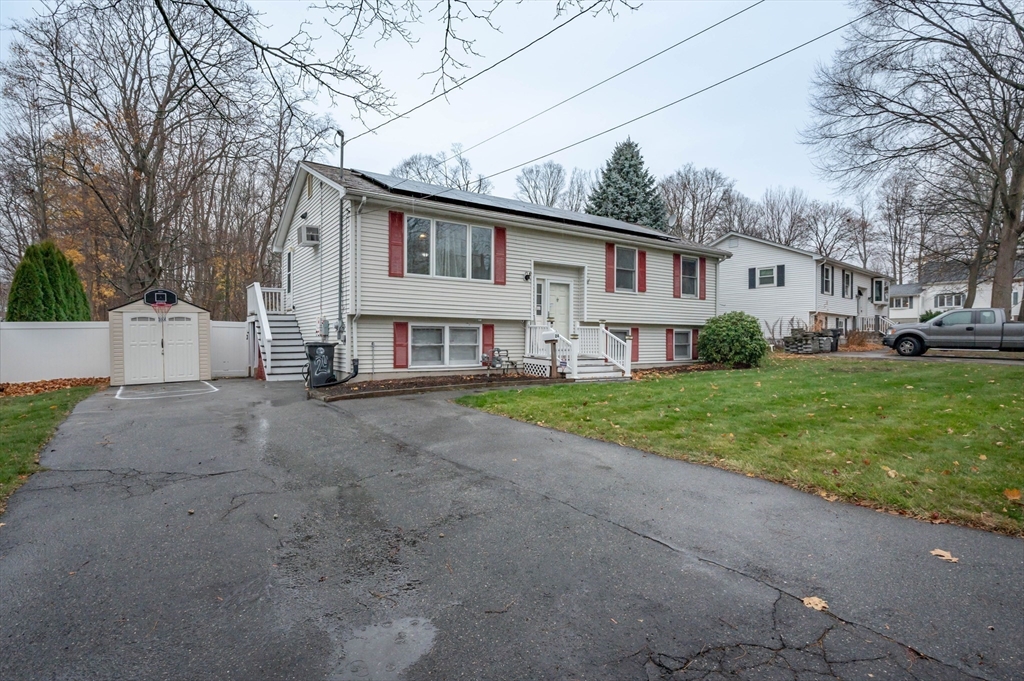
{"points": [[145, 350]]}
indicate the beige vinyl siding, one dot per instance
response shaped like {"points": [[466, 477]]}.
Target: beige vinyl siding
{"points": [[204, 347], [776, 307], [384, 295], [376, 345], [116, 325]]}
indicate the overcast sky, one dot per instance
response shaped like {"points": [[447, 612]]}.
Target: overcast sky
{"points": [[747, 128]]}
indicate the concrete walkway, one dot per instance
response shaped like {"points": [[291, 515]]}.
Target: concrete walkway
{"points": [[408, 537]]}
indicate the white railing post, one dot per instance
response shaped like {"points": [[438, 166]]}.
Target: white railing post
{"points": [[627, 356], [574, 353], [267, 337]]}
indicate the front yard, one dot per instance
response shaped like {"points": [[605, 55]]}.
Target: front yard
{"points": [[26, 424], [939, 441]]}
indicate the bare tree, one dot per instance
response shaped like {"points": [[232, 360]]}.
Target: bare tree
{"points": [[542, 183], [581, 183], [897, 211], [863, 234], [454, 171], [695, 199], [917, 83], [830, 229], [784, 216], [742, 215]]}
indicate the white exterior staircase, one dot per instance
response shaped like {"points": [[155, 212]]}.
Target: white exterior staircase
{"points": [[278, 337]]}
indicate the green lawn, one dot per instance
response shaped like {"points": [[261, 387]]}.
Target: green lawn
{"points": [[941, 441], [26, 424]]}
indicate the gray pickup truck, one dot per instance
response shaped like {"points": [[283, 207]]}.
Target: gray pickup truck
{"points": [[978, 329]]}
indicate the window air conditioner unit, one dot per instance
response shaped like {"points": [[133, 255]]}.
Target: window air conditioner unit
{"points": [[309, 235]]}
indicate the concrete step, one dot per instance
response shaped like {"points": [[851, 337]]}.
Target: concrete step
{"points": [[602, 378], [291, 362], [273, 376]]}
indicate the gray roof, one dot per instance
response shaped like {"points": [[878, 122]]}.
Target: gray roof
{"points": [[362, 180], [905, 290]]}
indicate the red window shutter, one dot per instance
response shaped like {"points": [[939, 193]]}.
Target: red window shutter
{"points": [[670, 343], [401, 345], [641, 268], [499, 256], [609, 268], [703, 278], [677, 276], [396, 244], [693, 344], [488, 339], [635, 333]]}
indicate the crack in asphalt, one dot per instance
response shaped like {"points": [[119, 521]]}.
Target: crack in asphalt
{"points": [[128, 478], [405, 448]]}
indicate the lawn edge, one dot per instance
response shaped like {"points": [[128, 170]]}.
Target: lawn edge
{"points": [[16, 485], [934, 519]]}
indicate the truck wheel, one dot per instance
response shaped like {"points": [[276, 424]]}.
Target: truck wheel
{"points": [[908, 346]]}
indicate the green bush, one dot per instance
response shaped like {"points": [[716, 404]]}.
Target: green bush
{"points": [[734, 339], [46, 288], [930, 314]]}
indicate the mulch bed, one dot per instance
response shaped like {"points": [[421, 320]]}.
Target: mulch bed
{"points": [[36, 387], [659, 372], [401, 386]]}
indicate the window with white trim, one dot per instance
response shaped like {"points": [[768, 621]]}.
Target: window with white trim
{"points": [[688, 268], [847, 284], [452, 250], [765, 276], [949, 300], [681, 344], [1016, 298], [444, 345], [619, 333], [625, 269], [902, 303], [879, 291], [826, 279]]}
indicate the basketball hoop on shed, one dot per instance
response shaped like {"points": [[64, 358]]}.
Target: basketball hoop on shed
{"points": [[161, 301]]}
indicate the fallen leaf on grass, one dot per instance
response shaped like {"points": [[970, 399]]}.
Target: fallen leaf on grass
{"points": [[944, 555], [815, 603], [983, 457], [891, 473], [1012, 494]]}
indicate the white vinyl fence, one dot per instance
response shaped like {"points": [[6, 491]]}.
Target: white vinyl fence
{"points": [[39, 351]]}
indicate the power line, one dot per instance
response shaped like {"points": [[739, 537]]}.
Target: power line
{"points": [[478, 74], [613, 77], [681, 99], [446, 159], [663, 107]]}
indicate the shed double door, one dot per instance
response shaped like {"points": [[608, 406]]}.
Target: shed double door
{"points": [[161, 353]]}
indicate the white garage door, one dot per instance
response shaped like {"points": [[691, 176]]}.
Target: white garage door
{"points": [[161, 353]]}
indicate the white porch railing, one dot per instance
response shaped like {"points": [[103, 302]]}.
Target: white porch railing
{"points": [[886, 324], [273, 300], [617, 351], [257, 307], [590, 340]]}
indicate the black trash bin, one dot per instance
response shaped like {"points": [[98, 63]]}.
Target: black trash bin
{"points": [[321, 364], [836, 333]]}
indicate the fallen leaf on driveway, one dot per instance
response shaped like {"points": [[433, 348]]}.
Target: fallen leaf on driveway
{"points": [[815, 603], [1012, 494], [944, 555]]}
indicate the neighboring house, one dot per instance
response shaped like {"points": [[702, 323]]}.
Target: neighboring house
{"points": [[786, 288], [414, 279], [943, 287]]}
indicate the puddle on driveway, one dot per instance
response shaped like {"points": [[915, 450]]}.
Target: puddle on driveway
{"points": [[383, 651]]}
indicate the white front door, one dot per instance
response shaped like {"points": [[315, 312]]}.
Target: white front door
{"points": [[560, 306], [143, 354], [181, 348]]}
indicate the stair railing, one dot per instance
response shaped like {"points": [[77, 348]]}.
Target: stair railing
{"points": [[254, 296], [617, 351]]}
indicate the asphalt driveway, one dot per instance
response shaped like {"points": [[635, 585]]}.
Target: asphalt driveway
{"points": [[246, 533]]}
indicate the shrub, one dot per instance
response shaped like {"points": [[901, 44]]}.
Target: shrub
{"points": [[734, 339], [46, 288], [930, 314]]}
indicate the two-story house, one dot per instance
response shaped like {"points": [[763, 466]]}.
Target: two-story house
{"points": [[786, 288], [943, 287], [413, 279]]}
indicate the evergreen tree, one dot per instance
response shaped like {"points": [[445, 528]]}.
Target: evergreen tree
{"points": [[46, 288], [626, 191]]}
